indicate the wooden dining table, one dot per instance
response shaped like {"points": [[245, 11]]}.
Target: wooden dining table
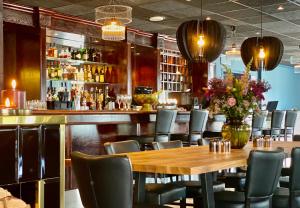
{"points": [[193, 160]]}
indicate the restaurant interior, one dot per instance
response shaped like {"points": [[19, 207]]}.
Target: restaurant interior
{"points": [[149, 103]]}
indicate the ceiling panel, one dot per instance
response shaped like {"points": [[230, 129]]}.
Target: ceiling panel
{"points": [[244, 14]]}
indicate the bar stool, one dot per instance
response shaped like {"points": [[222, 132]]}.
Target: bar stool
{"points": [[197, 125], [100, 185], [157, 194], [289, 124], [164, 123], [276, 121], [257, 124]]}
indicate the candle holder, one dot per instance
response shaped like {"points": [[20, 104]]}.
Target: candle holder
{"points": [[8, 112]]}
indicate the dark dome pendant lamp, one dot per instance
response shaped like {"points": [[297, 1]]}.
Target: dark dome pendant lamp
{"points": [[266, 51], [201, 40]]}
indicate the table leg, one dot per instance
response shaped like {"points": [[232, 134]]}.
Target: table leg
{"points": [[207, 190], [139, 189]]}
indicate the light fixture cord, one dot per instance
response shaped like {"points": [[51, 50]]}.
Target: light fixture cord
{"points": [[261, 14]]}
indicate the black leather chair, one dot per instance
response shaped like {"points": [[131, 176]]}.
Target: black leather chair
{"points": [[165, 120], [290, 197], [157, 194], [289, 123], [193, 188], [276, 120], [262, 178], [257, 124], [104, 181], [197, 125]]}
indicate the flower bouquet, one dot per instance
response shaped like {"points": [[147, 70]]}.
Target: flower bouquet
{"points": [[236, 98]]}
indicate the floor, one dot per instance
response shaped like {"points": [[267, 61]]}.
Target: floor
{"points": [[72, 200]]}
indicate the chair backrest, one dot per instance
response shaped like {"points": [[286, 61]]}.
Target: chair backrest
{"points": [[263, 174], [295, 178], [122, 147], [290, 118], [258, 121], [277, 117], [103, 179], [165, 120], [198, 120], [167, 145]]}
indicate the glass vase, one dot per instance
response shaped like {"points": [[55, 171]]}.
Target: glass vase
{"points": [[237, 132]]}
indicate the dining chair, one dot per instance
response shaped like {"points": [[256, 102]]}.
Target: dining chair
{"points": [[290, 197], [276, 121], [193, 188], [289, 123], [261, 180], [257, 124], [164, 123], [157, 194], [105, 181], [197, 125]]}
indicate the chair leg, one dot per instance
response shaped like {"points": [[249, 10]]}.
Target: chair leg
{"points": [[183, 203], [197, 202]]}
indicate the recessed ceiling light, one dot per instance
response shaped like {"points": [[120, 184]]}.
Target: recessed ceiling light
{"points": [[257, 33], [188, 0], [157, 18], [280, 7], [208, 18]]}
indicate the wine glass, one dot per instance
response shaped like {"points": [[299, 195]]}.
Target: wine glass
{"points": [[118, 98], [122, 102], [129, 101]]}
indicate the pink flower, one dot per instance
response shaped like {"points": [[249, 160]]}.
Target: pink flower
{"points": [[231, 101]]}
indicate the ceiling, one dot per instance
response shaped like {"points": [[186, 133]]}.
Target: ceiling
{"points": [[244, 14]]}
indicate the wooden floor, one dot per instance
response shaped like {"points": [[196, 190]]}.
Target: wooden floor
{"points": [[72, 200]]}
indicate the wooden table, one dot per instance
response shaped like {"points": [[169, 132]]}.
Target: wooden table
{"points": [[192, 160]]}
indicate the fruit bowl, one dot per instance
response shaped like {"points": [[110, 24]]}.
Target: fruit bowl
{"points": [[146, 100]]}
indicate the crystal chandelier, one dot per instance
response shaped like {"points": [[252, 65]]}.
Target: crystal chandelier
{"points": [[113, 18]]}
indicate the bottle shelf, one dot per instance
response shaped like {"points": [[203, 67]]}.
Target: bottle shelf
{"points": [[174, 75], [74, 62], [79, 82]]}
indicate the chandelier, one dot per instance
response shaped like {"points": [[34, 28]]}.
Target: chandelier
{"points": [[113, 18]]}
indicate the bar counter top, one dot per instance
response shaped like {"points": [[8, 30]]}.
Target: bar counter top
{"points": [[91, 112]]}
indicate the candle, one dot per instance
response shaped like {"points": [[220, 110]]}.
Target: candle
{"points": [[7, 103], [14, 97]]}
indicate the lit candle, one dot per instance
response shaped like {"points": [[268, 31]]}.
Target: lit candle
{"points": [[7, 103], [13, 84]]}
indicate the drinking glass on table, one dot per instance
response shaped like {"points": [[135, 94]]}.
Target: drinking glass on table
{"points": [[129, 101], [122, 102]]}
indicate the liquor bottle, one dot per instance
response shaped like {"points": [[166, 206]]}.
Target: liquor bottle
{"points": [[97, 77], [80, 75], [50, 51], [59, 71], [89, 74], [85, 55], [85, 73], [78, 55], [101, 77], [73, 55], [55, 52]]}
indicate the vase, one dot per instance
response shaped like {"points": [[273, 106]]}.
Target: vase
{"points": [[237, 133]]}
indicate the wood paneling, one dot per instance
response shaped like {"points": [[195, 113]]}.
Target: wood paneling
{"points": [[22, 58], [144, 62], [1, 45], [199, 73]]}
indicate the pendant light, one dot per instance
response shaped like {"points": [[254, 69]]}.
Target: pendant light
{"points": [[261, 51], [113, 18], [233, 51], [265, 51], [201, 38]]}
